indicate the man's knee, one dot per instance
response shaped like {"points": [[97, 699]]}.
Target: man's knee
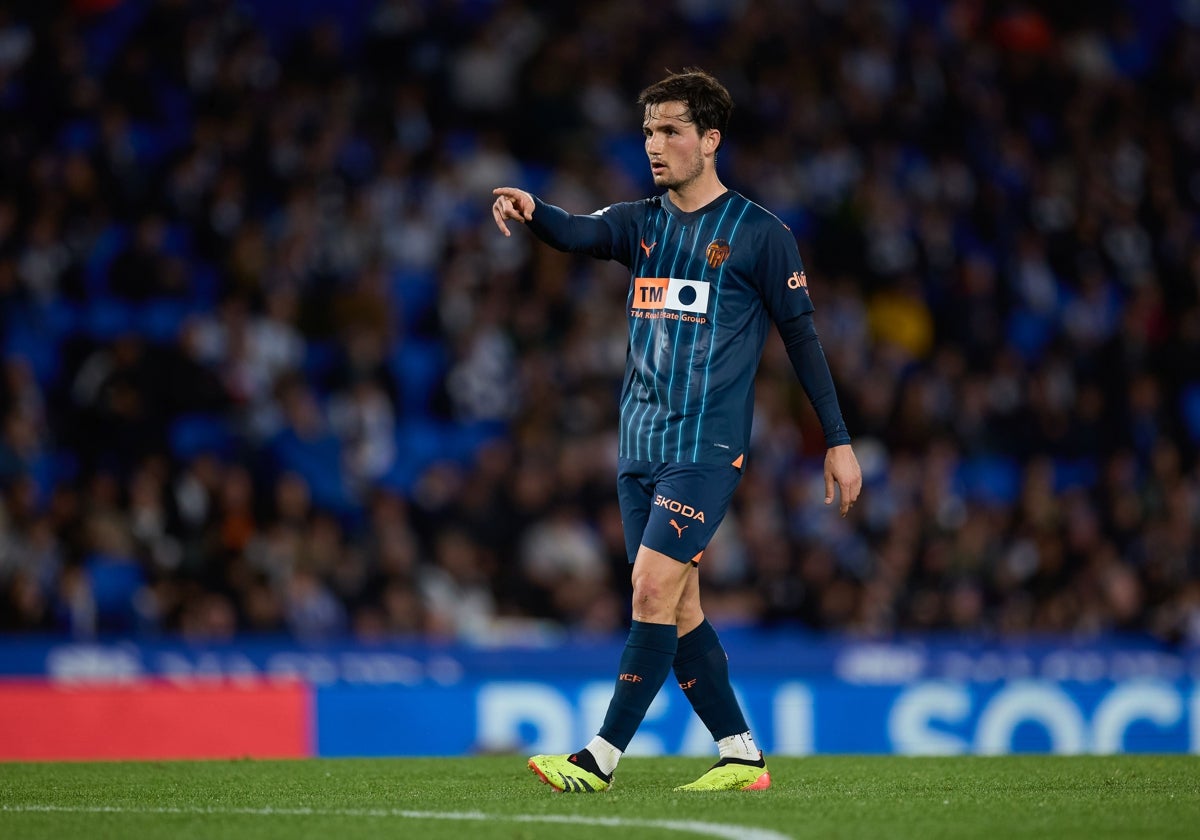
{"points": [[653, 591], [658, 585]]}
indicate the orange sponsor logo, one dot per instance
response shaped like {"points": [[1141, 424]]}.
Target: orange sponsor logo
{"points": [[633, 678], [648, 248], [717, 253], [650, 292], [798, 280], [685, 686], [677, 527]]}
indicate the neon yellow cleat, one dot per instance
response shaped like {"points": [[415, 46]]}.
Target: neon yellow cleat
{"points": [[733, 774], [567, 776]]}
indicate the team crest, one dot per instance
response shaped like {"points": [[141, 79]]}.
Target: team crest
{"points": [[717, 253]]}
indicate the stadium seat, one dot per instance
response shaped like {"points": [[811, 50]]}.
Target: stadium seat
{"points": [[115, 581], [107, 245], [417, 368], [990, 480], [195, 434], [1071, 474], [160, 320], [1190, 404], [106, 318], [417, 292]]}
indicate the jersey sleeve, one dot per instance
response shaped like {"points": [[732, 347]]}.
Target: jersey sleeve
{"points": [[812, 369], [784, 288], [605, 234], [780, 275]]}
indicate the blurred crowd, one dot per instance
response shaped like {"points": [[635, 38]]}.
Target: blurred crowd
{"points": [[268, 367]]}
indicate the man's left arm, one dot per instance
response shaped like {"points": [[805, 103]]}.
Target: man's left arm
{"points": [[812, 369], [785, 293]]}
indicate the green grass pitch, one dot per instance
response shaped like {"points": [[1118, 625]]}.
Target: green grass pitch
{"points": [[498, 797]]}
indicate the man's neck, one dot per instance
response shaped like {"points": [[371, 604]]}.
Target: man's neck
{"points": [[697, 194]]}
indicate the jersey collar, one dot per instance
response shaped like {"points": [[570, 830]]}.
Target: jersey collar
{"points": [[685, 217]]}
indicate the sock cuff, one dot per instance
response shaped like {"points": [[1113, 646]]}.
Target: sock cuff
{"points": [[697, 643], [657, 637]]}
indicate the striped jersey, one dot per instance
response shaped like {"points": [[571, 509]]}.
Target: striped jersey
{"points": [[704, 288]]}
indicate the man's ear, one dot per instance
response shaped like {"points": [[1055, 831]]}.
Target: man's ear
{"points": [[712, 139]]}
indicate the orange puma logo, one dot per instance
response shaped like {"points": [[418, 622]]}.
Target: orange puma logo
{"points": [[675, 525], [648, 248]]}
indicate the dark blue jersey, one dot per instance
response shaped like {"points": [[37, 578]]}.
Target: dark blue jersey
{"points": [[705, 287]]}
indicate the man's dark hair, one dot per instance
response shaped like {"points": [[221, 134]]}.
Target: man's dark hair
{"points": [[709, 103]]}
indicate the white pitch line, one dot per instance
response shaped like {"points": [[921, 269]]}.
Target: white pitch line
{"points": [[726, 832]]}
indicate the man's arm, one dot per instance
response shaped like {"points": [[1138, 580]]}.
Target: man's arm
{"points": [[553, 225], [812, 369]]}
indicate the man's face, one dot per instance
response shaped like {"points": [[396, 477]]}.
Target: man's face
{"points": [[675, 148]]}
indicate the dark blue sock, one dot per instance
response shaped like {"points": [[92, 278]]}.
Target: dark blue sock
{"points": [[645, 663], [702, 668]]}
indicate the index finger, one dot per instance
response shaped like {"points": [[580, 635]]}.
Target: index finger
{"points": [[498, 215]]}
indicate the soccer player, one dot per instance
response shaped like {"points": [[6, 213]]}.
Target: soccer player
{"points": [[709, 269]]}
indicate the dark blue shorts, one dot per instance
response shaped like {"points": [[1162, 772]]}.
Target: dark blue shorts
{"points": [[673, 508]]}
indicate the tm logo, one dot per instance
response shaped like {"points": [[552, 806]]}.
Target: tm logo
{"points": [[671, 293]]}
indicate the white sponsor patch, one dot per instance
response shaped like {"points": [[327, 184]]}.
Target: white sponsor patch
{"points": [[687, 295]]}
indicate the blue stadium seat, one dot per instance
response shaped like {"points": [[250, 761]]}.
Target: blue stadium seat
{"points": [[1071, 474], [319, 463], [417, 368], [160, 319], [466, 439], [1029, 333], [205, 284], [60, 319], [109, 243], [24, 339], [990, 480], [419, 444], [79, 136], [628, 152], [106, 318], [107, 33], [115, 582], [417, 292], [195, 434], [1190, 404], [320, 359]]}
